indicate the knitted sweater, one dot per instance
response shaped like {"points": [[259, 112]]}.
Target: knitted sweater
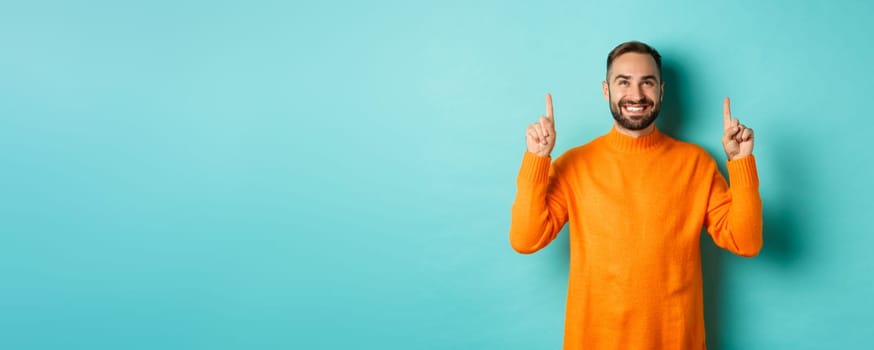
{"points": [[636, 207]]}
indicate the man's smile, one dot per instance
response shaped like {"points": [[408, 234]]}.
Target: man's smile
{"points": [[636, 108]]}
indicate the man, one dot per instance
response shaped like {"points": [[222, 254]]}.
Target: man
{"points": [[636, 200]]}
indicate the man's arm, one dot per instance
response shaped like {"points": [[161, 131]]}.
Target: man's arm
{"points": [[539, 210], [734, 215]]}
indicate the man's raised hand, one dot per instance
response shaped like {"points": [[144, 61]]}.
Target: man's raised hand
{"points": [[540, 135], [737, 139]]}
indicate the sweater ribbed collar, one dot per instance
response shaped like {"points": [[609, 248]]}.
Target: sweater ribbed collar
{"points": [[627, 143]]}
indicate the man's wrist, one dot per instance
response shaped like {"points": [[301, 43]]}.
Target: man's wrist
{"points": [[737, 157], [540, 155]]}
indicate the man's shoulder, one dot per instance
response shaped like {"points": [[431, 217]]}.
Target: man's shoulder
{"points": [[578, 152], [686, 146], [688, 149]]}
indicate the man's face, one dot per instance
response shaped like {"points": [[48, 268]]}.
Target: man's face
{"points": [[634, 90]]}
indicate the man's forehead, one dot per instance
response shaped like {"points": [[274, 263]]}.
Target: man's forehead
{"points": [[634, 65]]}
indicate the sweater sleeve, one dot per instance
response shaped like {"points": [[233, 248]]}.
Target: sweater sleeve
{"points": [[734, 215], [540, 208]]}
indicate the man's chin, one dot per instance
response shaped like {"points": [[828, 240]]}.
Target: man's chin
{"points": [[636, 122]]}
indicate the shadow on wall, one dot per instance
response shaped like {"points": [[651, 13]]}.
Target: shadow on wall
{"points": [[781, 212], [786, 206], [670, 119]]}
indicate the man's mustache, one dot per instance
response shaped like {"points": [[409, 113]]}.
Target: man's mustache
{"points": [[641, 101]]}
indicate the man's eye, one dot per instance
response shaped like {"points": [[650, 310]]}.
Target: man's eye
{"points": [[648, 83], [623, 82]]}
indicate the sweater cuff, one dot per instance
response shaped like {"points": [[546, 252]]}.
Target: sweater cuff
{"points": [[535, 169], [742, 172]]}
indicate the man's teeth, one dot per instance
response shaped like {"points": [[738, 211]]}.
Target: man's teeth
{"points": [[634, 109]]}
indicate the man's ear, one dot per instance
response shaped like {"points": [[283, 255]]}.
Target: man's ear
{"points": [[606, 90]]}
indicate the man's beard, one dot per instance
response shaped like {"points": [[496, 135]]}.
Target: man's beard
{"points": [[635, 124]]}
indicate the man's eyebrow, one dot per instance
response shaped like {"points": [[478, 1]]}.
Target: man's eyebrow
{"points": [[645, 77], [621, 76]]}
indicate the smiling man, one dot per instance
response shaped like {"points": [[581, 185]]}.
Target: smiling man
{"points": [[636, 200]]}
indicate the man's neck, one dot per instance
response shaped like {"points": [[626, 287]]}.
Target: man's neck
{"points": [[634, 133]]}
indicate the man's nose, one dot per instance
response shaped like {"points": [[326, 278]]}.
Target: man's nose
{"points": [[636, 92]]}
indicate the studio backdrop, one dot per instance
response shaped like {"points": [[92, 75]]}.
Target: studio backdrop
{"points": [[339, 174]]}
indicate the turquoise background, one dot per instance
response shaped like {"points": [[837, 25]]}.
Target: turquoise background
{"points": [[332, 175]]}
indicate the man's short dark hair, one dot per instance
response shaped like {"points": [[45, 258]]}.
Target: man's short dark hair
{"points": [[634, 46]]}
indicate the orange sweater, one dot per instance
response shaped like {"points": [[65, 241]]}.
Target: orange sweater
{"points": [[636, 207]]}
